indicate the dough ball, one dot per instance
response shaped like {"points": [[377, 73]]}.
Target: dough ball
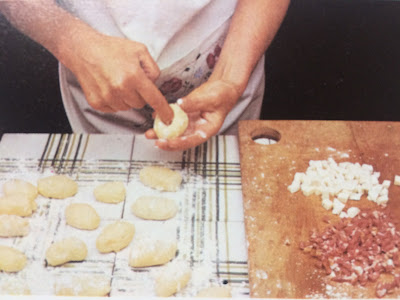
{"points": [[176, 128], [110, 192], [148, 252], [172, 278], [84, 286], [57, 187], [154, 208], [17, 186], [12, 226], [82, 216], [115, 237], [69, 249], [215, 292], [14, 286], [161, 178], [17, 204], [11, 260]]}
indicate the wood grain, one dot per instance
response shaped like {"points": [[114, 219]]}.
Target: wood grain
{"points": [[277, 220]]}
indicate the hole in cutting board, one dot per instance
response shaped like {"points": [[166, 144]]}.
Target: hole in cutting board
{"points": [[265, 136]]}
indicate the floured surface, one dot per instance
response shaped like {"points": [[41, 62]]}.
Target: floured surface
{"points": [[277, 221], [208, 227]]}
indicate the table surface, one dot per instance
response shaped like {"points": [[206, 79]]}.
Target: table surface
{"points": [[209, 226]]}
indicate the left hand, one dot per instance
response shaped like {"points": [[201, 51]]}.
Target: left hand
{"points": [[207, 107]]}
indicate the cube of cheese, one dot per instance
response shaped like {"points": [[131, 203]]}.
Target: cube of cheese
{"points": [[294, 187], [343, 197], [327, 203], [352, 212], [396, 180], [337, 206]]}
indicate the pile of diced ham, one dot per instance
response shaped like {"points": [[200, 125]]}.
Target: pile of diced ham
{"points": [[359, 250]]}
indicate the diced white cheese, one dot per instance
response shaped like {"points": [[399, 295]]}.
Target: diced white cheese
{"points": [[382, 199], [337, 206], [386, 183], [352, 212], [368, 168], [396, 180], [307, 190], [343, 197], [327, 203], [343, 215], [355, 196], [294, 187]]}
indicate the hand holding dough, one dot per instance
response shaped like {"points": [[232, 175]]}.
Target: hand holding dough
{"points": [[176, 128]]}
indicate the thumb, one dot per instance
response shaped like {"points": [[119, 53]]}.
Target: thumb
{"points": [[191, 103]]}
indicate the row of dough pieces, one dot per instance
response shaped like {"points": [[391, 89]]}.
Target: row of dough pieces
{"points": [[19, 201]]}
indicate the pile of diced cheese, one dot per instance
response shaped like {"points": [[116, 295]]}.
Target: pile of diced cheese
{"points": [[337, 183]]}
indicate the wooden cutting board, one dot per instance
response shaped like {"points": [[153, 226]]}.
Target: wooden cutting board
{"points": [[277, 220]]}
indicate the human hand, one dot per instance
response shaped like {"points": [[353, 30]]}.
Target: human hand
{"points": [[117, 74], [207, 107]]}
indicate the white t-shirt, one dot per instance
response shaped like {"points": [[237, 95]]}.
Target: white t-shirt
{"points": [[183, 37]]}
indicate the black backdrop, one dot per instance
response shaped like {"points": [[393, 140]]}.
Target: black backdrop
{"points": [[332, 60]]}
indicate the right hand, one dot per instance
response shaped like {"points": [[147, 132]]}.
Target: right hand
{"points": [[117, 74]]}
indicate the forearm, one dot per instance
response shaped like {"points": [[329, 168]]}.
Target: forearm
{"points": [[253, 27], [46, 23]]}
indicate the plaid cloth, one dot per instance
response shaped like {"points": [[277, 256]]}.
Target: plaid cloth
{"points": [[209, 226]]}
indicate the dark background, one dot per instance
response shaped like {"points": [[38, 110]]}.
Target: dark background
{"points": [[331, 60]]}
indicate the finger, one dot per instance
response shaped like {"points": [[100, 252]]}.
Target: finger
{"points": [[105, 109], [183, 143], [119, 105], [134, 100], [156, 100], [148, 64], [191, 103], [99, 106], [150, 134]]}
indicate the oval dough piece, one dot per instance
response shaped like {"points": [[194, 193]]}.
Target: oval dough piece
{"points": [[161, 178], [11, 226], [82, 216], [172, 278], [17, 186], [115, 237], [89, 286], [154, 208], [177, 127], [14, 286], [11, 260], [17, 204], [215, 292], [69, 249], [148, 252], [110, 192], [57, 187]]}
